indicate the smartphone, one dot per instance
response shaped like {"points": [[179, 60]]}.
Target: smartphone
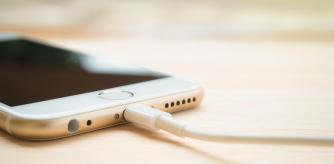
{"points": [[47, 92]]}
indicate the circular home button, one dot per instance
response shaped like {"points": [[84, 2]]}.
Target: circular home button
{"points": [[115, 95]]}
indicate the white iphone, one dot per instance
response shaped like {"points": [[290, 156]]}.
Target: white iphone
{"points": [[48, 92]]}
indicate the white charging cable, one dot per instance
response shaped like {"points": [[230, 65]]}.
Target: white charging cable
{"points": [[156, 119]]}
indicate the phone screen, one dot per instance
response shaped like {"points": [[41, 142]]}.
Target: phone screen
{"points": [[32, 72]]}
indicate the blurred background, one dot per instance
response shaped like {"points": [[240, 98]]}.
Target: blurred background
{"points": [[172, 19], [266, 66]]}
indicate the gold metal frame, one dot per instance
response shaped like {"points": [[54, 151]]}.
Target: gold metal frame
{"points": [[58, 128]]}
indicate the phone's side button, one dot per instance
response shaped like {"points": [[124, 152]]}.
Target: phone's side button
{"points": [[115, 95]]}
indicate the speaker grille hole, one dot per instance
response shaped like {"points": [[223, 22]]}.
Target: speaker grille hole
{"points": [[179, 102], [166, 105], [183, 101]]}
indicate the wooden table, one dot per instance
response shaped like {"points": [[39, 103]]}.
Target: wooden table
{"points": [[259, 86]]}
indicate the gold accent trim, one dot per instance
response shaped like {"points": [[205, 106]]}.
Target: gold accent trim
{"points": [[2, 120], [58, 128]]}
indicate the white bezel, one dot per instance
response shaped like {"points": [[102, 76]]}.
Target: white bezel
{"points": [[88, 102]]}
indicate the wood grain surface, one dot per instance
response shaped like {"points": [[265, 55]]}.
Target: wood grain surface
{"points": [[258, 86]]}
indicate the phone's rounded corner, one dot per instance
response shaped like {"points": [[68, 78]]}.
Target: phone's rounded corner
{"points": [[15, 123], [199, 93], [199, 96], [33, 129], [46, 128], [198, 87], [3, 117]]}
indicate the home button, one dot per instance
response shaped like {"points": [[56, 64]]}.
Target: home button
{"points": [[115, 95]]}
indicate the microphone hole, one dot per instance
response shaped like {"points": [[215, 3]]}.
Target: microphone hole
{"points": [[89, 122]]}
